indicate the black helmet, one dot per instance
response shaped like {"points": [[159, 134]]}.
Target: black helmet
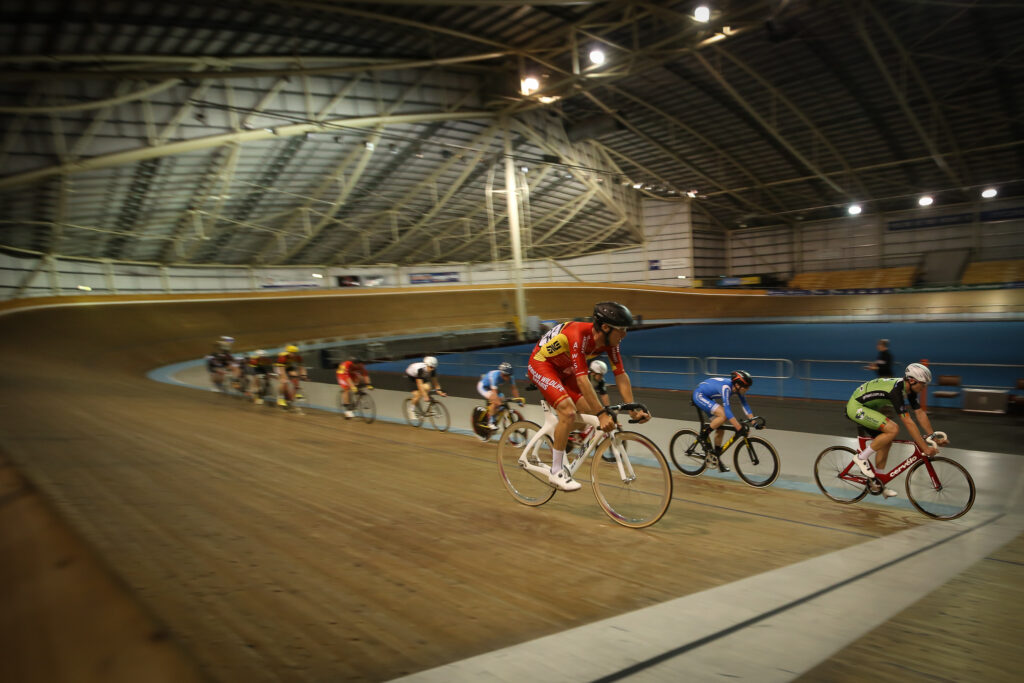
{"points": [[742, 377], [612, 313]]}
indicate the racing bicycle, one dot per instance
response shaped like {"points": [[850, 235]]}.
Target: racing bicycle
{"points": [[433, 412], [634, 488], [507, 414], [755, 459], [363, 405]]}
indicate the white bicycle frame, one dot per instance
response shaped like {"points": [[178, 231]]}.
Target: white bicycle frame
{"points": [[626, 472]]}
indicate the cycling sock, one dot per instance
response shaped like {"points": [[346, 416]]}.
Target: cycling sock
{"points": [[866, 453], [556, 460]]}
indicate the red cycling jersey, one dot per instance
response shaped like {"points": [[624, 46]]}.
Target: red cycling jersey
{"points": [[562, 355], [350, 373]]}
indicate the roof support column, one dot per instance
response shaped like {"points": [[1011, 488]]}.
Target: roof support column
{"points": [[513, 231]]}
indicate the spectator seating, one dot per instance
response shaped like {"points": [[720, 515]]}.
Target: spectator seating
{"points": [[986, 272], [863, 278]]}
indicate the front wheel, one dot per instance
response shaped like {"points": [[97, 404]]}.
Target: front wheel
{"points": [[365, 407], [411, 412], [756, 461], [438, 416], [947, 494], [687, 453], [635, 487], [528, 487], [837, 476]]}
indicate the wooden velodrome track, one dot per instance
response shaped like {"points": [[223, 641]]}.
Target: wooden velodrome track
{"points": [[204, 540]]}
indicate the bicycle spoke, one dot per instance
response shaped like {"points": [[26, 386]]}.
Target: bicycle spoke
{"points": [[756, 461], [528, 487], [687, 453], [638, 499], [948, 496], [828, 473]]}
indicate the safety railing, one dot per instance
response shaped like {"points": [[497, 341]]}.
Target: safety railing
{"points": [[753, 365], [665, 368]]}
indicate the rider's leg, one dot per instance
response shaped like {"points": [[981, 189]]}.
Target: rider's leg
{"points": [[883, 442], [493, 405], [717, 420]]}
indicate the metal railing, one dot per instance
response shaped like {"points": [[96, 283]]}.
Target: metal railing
{"points": [[783, 368], [694, 366]]}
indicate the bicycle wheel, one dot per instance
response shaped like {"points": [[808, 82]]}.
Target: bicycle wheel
{"points": [[638, 500], [687, 453], [437, 415], [948, 496], [365, 407], [529, 488], [519, 436], [756, 461], [831, 463], [416, 418]]}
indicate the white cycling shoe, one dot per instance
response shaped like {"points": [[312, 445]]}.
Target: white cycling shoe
{"points": [[563, 481], [864, 466], [889, 493]]}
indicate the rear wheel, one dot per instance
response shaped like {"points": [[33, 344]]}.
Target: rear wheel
{"points": [[529, 488], [829, 471], [365, 407], [948, 496], [687, 453], [756, 461], [637, 491]]}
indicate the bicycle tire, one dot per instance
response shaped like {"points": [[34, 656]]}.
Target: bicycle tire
{"points": [[438, 416], [417, 419], [527, 487], [686, 453], [507, 420], [644, 499], [952, 500], [365, 407], [757, 466], [827, 467]]}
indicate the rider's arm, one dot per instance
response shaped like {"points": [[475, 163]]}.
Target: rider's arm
{"points": [[726, 393], [915, 434], [625, 388], [746, 406]]}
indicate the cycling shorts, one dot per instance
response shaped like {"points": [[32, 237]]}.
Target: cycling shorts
{"points": [[704, 403], [868, 418], [553, 385], [486, 393]]}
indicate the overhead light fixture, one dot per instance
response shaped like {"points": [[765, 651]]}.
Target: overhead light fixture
{"points": [[85, 288], [529, 85], [989, 193], [702, 14], [925, 200], [547, 99], [680, 277], [596, 57], [637, 186], [524, 169], [692, 194], [318, 276], [853, 209], [369, 145], [269, 130]]}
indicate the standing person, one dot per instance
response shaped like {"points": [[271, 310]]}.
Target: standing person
{"points": [[882, 364], [421, 375], [559, 362]]}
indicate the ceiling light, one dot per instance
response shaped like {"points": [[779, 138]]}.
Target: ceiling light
{"points": [[369, 145], [529, 85], [318, 276], [691, 194], [853, 209], [680, 277], [637, 186], [989, 193], [702, 14], [925, 200], [524, 169], [596, 57], [547, 99], [85, 288], [269, 130]]}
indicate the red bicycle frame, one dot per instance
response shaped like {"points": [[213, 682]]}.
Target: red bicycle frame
{"points": [[852, 472]]}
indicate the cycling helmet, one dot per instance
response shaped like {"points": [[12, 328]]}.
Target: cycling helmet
{"points": [[291, 348], [612, 313], [430, 361], [259, 353], [918, 373], [225, 342], [505, 368], [742, 377], [598, 367]]}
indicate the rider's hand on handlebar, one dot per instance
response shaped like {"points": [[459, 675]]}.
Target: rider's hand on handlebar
{"points": [[929, 450], [607, 423], [639, 416], [520, 400]]}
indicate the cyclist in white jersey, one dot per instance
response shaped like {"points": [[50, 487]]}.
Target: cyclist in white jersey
{"points": [[421, 375]]}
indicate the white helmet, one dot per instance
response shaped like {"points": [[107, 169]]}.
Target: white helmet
{"points": [[259, 353], [430, 361], [918, 373], [598, 367]]}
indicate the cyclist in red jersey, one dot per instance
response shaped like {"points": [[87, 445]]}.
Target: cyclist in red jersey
{"points": [[350, 375], [561, 357]]}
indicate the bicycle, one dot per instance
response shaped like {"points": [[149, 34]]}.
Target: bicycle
{"points": [[363, 405], [506, 415], [756, 461], [634, 488], [938, 487], [435, 412]]}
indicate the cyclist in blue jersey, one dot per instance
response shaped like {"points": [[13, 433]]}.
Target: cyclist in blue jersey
{"points": [[720, 388], [489, 387]]}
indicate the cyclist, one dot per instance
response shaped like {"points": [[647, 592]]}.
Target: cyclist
{"points": [[560, 358], [898, 392], [260, 369], [489, 387], [289, 371], [720, 388], [218, 364], [598, 369], [351, 374], [421, 375]]}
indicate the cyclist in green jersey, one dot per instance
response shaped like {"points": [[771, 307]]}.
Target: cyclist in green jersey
{"points": [[899, 392]]}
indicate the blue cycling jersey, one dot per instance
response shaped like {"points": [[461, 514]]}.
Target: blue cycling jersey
{"points": [[493, 380], [720, 388]]}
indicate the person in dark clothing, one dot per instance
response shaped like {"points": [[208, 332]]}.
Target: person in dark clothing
{"points": [[883, 364]]}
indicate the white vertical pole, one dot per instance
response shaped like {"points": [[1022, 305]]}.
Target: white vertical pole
{"points": [[513, 229]]}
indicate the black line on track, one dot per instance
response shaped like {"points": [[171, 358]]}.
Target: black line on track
{"points": [[682, 649]]}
